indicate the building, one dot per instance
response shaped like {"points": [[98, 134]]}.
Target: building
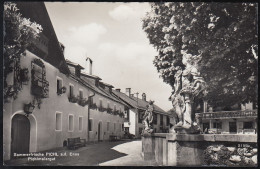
{"points": [[135, 111], [57, 100], [240, 119]]}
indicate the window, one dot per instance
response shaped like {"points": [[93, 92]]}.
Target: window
{"points": [[127, 129], [59, 85], [232, 127], [140, 116], [217, 125], [90, 124], [107, 126], [91, 101], [80, 94], [80, 124], [40, 86], [58, 122], [100, 104], [97, 83], [71, 91], [205, 126], [122, 127], [71, 123], [248, 125], [155, 119], [168, 120], [161, 119], [77, 71], [127, 114], [72, 69], [114, 107]]}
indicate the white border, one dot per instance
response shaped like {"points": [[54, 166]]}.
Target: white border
{"points": [[114, 108], [101, 134], [33, 143], [58, 112], [69, 123], [92, 124], [59, 78], [82, 92], [108, 104], [108, 122], [70, 84], [81, 123], [101, 99]]}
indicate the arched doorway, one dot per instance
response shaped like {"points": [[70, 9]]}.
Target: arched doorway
{"points": [[20, 135], [99, 130]]}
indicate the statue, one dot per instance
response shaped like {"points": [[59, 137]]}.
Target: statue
{"points": [[188, 84], [148, 119]]}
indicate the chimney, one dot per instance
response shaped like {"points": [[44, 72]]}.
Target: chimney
{"points": [[118, 90], [128, 91], [144, 96], [90, 66], [89, 63]]}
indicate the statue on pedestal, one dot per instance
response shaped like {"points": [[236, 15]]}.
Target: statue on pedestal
{"points": [[188, 84], [148, 119]]}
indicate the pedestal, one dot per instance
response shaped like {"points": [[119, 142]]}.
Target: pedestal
{"points": [[189, 149], [191, 130], [148, 148]]}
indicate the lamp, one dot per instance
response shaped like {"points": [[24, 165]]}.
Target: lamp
{"points": [[28, 108]]}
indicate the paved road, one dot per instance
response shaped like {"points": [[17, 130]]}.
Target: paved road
{"points": [[119, 153], [133, 158]]}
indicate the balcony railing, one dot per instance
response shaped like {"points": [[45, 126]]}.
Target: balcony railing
{"points": [[227, 114], [39, 45]]}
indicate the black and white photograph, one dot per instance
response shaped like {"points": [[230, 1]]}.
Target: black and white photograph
{"points": [[130, 84]]}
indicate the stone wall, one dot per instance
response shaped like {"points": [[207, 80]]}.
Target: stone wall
{"points": [[200, 149]]}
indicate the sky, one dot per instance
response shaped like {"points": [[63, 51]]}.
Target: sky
{"points": [[111, 35]]}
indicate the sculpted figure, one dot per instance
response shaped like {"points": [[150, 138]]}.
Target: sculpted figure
{"points": [[188, 84], [148, 118], [177, 99]]}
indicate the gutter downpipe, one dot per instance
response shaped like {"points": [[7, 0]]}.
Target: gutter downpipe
{"points": [[89, 97]]}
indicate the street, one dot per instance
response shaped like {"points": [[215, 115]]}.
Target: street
{"points": [[119, 153]]}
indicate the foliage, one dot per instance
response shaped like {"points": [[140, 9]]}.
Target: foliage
{"points": [[221, 156], [18, 32], [82, 101], [221, 38], [73, 99], [93, 106], [109, 110]]}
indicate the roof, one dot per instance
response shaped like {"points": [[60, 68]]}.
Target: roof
{"points": [[37, 12], [98, 90], [74, 64], [137, 103], [109, 85], [91, 76]]}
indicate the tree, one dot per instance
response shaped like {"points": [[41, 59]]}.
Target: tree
{"points": [[18, 33], [220, 37]]}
